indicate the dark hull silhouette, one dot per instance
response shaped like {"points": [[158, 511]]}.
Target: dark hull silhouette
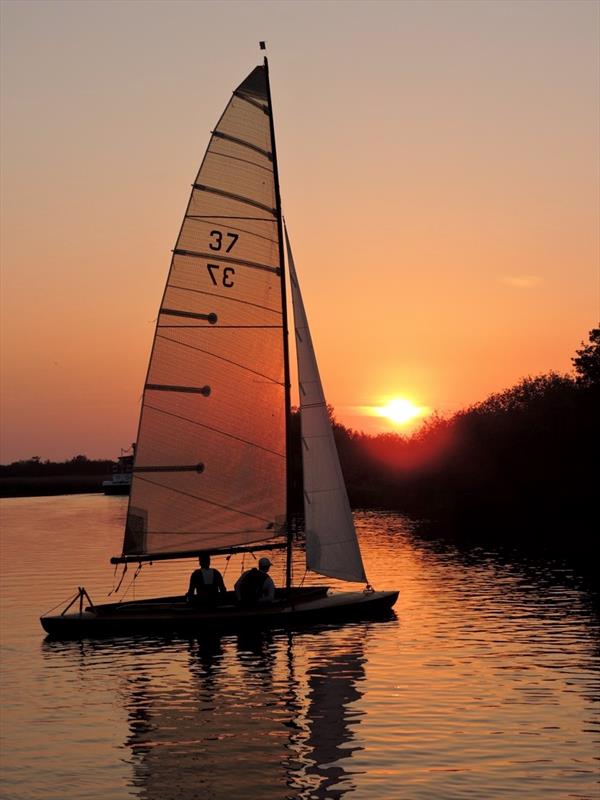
{"points": [[116, 488], [165, 615]]}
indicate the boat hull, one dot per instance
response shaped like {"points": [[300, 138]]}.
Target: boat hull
{"points": [[116, 488], [173, 615]]}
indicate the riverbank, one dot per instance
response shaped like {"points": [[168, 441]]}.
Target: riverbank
{"points": [[47, 485], [36, 478]]}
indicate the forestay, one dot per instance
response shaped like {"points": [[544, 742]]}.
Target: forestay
{"points": [[210, 467], [331, 544]]}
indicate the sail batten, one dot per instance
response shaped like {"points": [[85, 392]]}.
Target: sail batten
{"points": [[242, 143], [237, 197], [331, 545], [209, 470], [227, 259]]}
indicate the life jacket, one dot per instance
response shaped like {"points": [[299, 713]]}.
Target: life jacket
{"points": [[204, 591], [251, 585]]}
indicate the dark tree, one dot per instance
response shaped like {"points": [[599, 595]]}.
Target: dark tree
{"points": [[587, 361], [80, 459]]}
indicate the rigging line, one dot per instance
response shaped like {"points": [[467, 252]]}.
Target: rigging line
{"points": [[114, 580], [200, 218], [228, 259], [243, 160], [237, 198], [131, 583], [115, 590], [222, 358], [224, 297], [50, 610], [203, 500], [215, 430]]}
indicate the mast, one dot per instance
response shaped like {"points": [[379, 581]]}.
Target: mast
{"points": [[286, 352]]}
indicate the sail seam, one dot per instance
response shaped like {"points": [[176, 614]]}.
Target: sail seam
{"points": [[215, 430], [236, 158], [222, 358], [232, 196], [204, 500], [242, 262], [243, 143], [189, 468], [224, 297]]}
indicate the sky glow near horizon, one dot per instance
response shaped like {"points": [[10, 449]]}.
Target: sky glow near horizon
{"points": [[439, 172]]}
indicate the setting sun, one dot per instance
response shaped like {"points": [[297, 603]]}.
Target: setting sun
{"points": [[401, 411]]}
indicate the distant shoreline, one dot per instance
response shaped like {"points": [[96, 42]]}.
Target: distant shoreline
{"points": [[48, 485]]}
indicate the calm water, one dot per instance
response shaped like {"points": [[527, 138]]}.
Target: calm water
{"points": [[485, 686]]}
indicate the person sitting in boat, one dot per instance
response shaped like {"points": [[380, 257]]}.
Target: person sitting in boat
{"points": [[206, 583], [255, 586]]}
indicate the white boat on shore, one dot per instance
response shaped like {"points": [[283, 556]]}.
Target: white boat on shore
{"points": [[120, 480]]}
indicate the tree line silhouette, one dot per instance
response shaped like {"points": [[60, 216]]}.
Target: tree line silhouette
{"points": [[523, 461], [35, 467]]}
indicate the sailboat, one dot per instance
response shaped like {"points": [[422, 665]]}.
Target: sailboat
{"points": [[212, 467]]}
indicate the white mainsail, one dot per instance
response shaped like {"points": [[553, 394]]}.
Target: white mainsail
{"points": [[331, 544], [210, 465]]}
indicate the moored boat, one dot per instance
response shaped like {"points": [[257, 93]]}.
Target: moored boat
{"points": [[120, 480]]}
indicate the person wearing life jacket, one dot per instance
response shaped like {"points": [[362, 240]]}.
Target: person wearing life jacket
{"points": [[255, 586], [206, 583]]}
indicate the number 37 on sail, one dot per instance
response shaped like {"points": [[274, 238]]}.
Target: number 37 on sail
{"points": [[212, 468]]}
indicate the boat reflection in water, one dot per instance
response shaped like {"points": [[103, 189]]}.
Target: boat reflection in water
{"points": [[265, 714], [333, 687]]}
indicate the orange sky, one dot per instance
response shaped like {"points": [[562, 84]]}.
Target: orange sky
{"points": [[440, 179]]}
